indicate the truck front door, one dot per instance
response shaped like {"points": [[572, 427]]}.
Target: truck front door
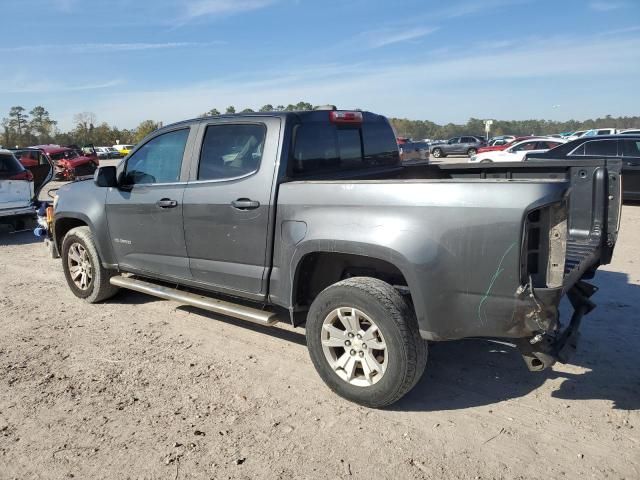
{"points": [[145, 213], [227, 204]]}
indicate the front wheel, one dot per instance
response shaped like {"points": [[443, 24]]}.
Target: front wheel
{"points": [[471, 152], [364, 341], [83, 270], [438, 153], [486, 160]]}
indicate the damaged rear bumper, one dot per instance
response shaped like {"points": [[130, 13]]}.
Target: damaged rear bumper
{"points": [[545, 349]]}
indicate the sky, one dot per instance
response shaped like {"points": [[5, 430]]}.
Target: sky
{"points": [[444, 61]]}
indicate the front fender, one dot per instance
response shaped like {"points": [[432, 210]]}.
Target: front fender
{"points": [[84, 202]]}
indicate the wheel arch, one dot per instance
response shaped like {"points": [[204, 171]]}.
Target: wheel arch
{"points": [[63, 224], [316, 269]]}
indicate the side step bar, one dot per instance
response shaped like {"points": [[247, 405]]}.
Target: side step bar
{"points": [[261, 317]]}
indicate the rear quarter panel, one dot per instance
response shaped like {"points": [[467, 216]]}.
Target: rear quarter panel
{"points": [[457, 243]]}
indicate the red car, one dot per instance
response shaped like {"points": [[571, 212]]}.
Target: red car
{"points": [[67, 162], [495, 148]]}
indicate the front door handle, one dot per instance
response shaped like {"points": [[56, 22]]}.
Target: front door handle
{"points": [[167, 203], [245, 204]]}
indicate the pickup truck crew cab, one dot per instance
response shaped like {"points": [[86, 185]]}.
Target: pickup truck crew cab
{"points": [[309, 217]]}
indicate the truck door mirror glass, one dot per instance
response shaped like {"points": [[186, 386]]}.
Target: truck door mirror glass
{"points": [[106, 177]]}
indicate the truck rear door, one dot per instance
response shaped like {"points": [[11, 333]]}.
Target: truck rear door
{"points": [[227, 204]]}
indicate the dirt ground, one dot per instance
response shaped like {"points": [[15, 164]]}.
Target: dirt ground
{"points": [[144, 388]]}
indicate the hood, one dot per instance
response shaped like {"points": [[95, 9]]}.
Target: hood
{"points": [[75, 162]]}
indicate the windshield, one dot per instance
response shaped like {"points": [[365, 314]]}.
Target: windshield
{"points": [[64, 155]]}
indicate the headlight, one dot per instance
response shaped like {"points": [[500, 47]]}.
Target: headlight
{"points": [[473, 158]]}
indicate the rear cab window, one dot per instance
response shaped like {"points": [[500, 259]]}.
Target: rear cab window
{"points": [[321, 147]]}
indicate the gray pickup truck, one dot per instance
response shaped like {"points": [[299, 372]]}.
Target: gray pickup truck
{"points": [[310, 218]]}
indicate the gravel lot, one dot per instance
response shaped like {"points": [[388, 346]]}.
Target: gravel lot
{"points": [[144, 388]]}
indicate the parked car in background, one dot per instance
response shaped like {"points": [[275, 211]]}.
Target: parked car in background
{"points": [[414, 152], [16, 190], [624, 147], [107, 153], [517, 151], [123, 149], [501, 146], [466, 145], [594, 132], [500, 140], [68, 164], [576, 134]]}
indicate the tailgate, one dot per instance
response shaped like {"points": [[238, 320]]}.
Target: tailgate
{"points": [[594, 201]]}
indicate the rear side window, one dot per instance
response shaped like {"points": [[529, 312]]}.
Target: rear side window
{"points": [[9, 164], [607, 148], [159, 160], [231, 151], [323, 147], [630, 148]]}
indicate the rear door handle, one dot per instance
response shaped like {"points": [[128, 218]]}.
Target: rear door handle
{"points": [[167, 203], [245, 204]]}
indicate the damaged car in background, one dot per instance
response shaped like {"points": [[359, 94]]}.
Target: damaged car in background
{"points": [[68, 163], [311, 218]]}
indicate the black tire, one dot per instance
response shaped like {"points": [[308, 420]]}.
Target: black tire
{"points": [[438, 153], [396, 321], [486, 160], [98, 288], [471, 152]]}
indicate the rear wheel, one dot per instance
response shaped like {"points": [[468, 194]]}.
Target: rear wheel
{"points": [[364, 341], [438, 153], [471, 152], [83, 270]]}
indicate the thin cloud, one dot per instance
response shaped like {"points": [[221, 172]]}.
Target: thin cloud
{"points": [[462, 9], [105, 47], [18, 86], [382, 38], [607, 6], [201, 8], [415, 88]]}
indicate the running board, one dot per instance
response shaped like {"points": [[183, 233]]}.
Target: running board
{"points": [[261, 317]]}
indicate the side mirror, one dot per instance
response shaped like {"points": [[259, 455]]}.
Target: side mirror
{"points": [[106, 177]]}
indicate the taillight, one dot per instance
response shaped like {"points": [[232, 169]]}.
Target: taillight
{"points": [[345, 117], [25, 175]]}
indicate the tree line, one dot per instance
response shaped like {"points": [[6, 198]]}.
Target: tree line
{"points": [[21, 128], [36, 127], [424, 129]]}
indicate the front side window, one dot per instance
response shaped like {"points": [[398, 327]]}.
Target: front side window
{"points": [[159, 160], [231, 151], [606, 148]]}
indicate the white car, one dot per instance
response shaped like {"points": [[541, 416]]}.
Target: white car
{"points": [[600, 131], [16, 188], [517, 151]]}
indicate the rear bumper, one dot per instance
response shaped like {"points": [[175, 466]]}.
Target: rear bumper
{"points": [[545, 349]]}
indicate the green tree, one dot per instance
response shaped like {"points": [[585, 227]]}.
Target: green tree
{"points": [[231, 109], [247, 110], [83, 131], [144, 129], [19, 124], [267, 108], [41, 124]]}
